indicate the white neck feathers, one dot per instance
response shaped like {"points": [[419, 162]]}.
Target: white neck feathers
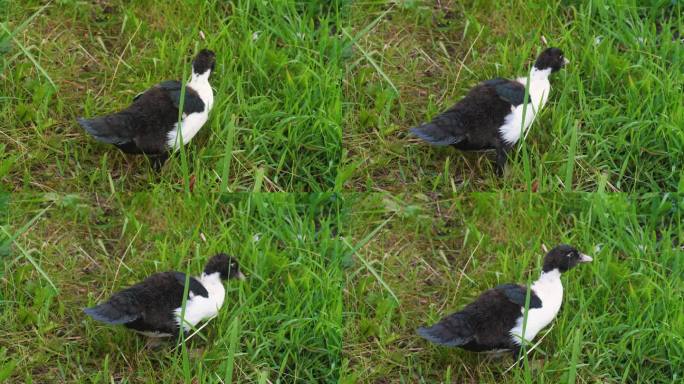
{"points": [[553, 274], [200, 308], [198, 78], [192, 123], [550, 291], [210, 279], [536, 73]]}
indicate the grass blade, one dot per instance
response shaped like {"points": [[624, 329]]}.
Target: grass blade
{"points": [[230, 362]]}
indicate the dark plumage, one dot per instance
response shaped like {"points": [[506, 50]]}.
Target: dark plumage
{"points": [[484, 324], [149, 124], [152, 306], [494, 320], [490, 115]]}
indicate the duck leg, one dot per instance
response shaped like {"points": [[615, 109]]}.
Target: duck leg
{"points": [[153, 343], [179, 336], [159, 160], [501, 158]]}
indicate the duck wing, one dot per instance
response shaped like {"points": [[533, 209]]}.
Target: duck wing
{"points": [[516, 294], [117, 128], [452, 331], [123, 307], [159, 293], [510, 91], [442, 131], [195, 287], [192, 102]]}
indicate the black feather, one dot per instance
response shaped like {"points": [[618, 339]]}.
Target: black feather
{"points": [[472, 124], [143, 127], [192, 102], [517, 293], [112, 129], [151, 305], [482, 325], [512, 92], [435, 135], [195, 286], [475, 120], [107, 313], [452, 331], [123, 307]]}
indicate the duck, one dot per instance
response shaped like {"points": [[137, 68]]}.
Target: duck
{"points": [[490, 116], [150, 126], [153, 307], [494, 321]]}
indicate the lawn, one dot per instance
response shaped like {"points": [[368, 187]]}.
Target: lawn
{"points": [[281, 324], [351, 232], [614, 118], [276, 122], [422, 258]]}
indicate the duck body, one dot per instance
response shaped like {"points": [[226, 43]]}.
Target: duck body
{"points": [[486, 323], [494, 320], [150, 124], [154, 306], [490, 116]]}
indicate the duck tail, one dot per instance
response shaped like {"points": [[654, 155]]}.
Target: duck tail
{"points": [[111, 129], [452, 331], [435, 135], [109, 314]]}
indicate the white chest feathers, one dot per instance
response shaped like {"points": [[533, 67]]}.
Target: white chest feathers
{"points": [[198, 308], [192, 123], [538, 95], [549, 289]]}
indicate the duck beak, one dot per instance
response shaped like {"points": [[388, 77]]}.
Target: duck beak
{"points": [[585, 258], [240, 276], [566, 61]]}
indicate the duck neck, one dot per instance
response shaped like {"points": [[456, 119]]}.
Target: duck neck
{"points": [[553, 274], [199, 78], [200, 83], [212, 282], [539, 74], [548, 279]]}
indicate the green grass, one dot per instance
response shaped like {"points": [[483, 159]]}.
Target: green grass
{"points": [[621, 320], [317, 96], [283, 322], [614, 119], [276, 122]]}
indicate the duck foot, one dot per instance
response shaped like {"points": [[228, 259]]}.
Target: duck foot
{"points": [[153, 343]]}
